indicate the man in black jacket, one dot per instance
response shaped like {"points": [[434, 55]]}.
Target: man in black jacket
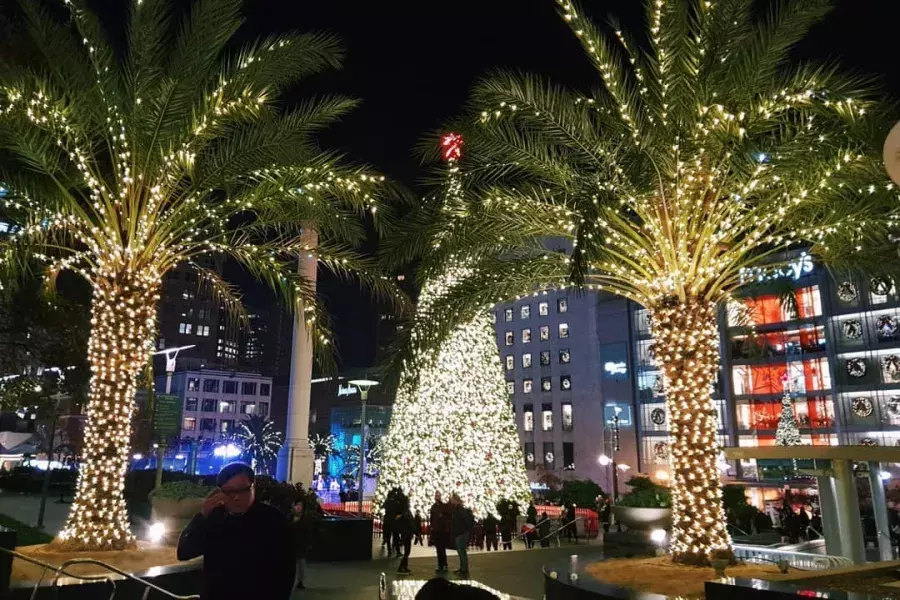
{"points": [[246, 546], [440, 530]]}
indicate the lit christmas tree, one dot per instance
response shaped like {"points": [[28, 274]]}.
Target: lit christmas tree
{"points": [[787, 434], [453, 427]]}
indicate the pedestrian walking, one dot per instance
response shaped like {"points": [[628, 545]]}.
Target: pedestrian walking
{"points": [[247, 547], [544, 530], [463, 522], [387, 527], [402, 527], [507, 526], [440, 530], [490, 527], [417, 528], [571, 524], [301, 521]]}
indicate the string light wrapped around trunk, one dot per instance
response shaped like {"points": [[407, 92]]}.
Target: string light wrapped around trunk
{"points": [[688, 351], [123, 316]]}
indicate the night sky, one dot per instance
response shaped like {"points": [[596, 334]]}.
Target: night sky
{"points": [[412, 63]]}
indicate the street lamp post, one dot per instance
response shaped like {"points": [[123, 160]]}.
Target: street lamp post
{"points": [[171, 357], [364, 385], [610, 460]]}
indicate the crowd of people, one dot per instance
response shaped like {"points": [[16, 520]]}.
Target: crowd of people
{"points": [[273, 546]]}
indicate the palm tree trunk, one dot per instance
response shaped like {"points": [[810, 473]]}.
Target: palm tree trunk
{"points": [[123, 319], [687, 349]]}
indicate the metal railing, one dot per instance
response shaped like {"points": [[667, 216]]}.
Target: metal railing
{"points": [[798, 560], [60, 571]]}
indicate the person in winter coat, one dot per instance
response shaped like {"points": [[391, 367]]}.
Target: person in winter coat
{"points": [[402, 526], [246, 545], [417, 529], [490, 531], [303, 530], [387, 527], [463, 521], [440, 530], [507, 526], [544, 531]]}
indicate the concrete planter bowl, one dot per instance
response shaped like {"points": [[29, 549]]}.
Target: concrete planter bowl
{"points": [[175, 514], [643, 519]]}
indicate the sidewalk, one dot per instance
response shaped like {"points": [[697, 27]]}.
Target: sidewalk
{"points": [[24, 508]]}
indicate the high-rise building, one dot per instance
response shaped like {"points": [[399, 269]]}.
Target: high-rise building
{"points": [[548, 349]]}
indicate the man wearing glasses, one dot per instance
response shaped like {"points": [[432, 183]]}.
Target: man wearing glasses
{"points": [[247, 548]]}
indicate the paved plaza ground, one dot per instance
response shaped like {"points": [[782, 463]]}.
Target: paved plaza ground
{"points": [[515, 572]]}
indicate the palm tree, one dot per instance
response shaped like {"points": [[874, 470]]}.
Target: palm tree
{"points": [[128, 151], [704, 154], [260, 441]]}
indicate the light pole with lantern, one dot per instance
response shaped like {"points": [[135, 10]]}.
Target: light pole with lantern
{"points": [[364, 385]]}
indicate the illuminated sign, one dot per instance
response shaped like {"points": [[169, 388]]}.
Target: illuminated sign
{"points": [[615, 368], [346, 390], [793, 270]]}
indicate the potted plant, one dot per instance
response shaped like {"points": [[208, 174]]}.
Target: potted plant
{"points": [[175, 503], [720, 559], [646, 507]]}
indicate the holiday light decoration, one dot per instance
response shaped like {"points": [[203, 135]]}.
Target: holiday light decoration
{"points": [[452, 426], [172, 152], [703, 157], [787, 433], [260, 440]]}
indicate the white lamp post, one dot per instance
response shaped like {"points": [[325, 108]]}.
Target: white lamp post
{"points": [[364, 385]]}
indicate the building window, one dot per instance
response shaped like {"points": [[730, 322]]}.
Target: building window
{"points": [[508, 315], [563, 330], [189, 424], [229, 387], [562, 305], [525, 311], [226, 407], [567, 416], [526, 336], [204, 314], [549, 456], [187, 295], [190, 404], [564, 356], [546, 384], [547, 417], [211, 385], [248, 388], [207, 424], [265, 389], [526, 360], [545, 333], [510, 387], [526, 386], [565, 383], [226, 426], [262, 409], [203, 330], [545, 358], [529, 455], [209, 405], [248, 408], [510, 362], [528, 417], [193, 384], [568, 456], [509, 338], [543, 309], [185, 328]]}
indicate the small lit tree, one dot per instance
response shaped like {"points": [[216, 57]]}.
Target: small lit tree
{"points": [[787, 433], [260, 441]]}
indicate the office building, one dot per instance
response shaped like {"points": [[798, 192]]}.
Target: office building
{"points": [[548, 350]]}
